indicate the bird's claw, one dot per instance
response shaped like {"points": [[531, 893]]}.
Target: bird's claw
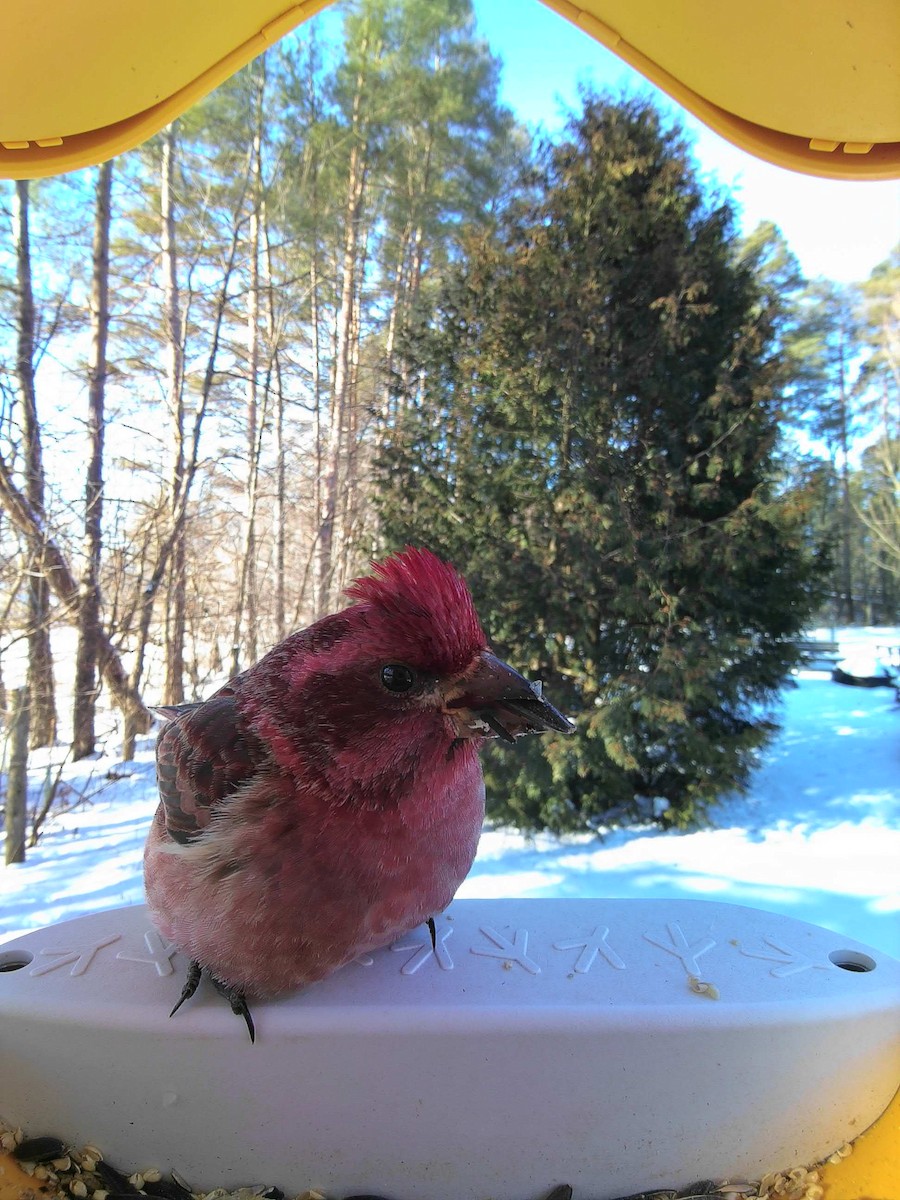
{"points": [[433, 932], [234, 995], [238, 1001], [190, 985]]}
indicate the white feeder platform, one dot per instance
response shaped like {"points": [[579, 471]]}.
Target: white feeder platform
{"points": [[615, 1045]]}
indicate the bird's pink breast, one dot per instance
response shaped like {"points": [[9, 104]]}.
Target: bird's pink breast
{"points": [[284, 889]]}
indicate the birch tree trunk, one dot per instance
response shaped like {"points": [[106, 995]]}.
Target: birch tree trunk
{"points": [[87, 653]]}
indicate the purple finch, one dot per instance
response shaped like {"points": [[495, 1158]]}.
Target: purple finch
{"points": [[330, 798]]}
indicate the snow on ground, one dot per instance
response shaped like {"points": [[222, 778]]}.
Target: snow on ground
{"points": [[817, 837]]}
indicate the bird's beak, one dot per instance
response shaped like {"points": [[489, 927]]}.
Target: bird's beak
{"points": [[493, 700]]}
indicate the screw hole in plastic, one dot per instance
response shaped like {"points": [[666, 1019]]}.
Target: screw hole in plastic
{"points": [[852, 960], [15, 960]]}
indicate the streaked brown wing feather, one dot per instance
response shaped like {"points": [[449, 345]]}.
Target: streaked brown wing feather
{"points": [[203, 754]]}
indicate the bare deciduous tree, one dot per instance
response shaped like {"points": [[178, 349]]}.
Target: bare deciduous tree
{"points": [[88, 650], [40, 657]]}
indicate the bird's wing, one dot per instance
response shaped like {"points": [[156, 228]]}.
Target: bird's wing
{"points": [[203, 754]]}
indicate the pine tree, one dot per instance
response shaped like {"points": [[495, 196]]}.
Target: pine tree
{"points": [[590, 438]]}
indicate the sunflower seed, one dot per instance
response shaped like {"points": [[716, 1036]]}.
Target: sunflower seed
{"points": [[39, 1149], [166, 1189]]}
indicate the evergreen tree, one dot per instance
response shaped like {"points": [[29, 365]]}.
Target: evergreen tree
{"points": [[590, 438]]}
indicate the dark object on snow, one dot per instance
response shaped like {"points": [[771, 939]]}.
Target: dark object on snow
{"points": [[885, 679]]}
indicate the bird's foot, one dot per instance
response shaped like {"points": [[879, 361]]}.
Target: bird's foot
{"points": [[432, 931], [238, 1001], [234, 995], [190, 985]]}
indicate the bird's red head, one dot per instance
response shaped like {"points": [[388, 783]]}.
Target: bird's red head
{"points": [[421, 610], [391, 683]]}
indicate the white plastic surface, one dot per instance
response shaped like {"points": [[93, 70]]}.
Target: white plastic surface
{"points": [[614, 1045]]}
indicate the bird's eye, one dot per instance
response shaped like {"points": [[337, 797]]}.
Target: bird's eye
{"points": [[397, 678]]}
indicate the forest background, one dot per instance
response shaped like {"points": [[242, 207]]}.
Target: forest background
{"points": [[348, 302]]}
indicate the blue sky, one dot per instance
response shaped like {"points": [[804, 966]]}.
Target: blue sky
{"points": [[837, 229]]}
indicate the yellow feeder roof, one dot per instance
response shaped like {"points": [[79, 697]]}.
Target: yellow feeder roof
{"points": [[812, 85]]}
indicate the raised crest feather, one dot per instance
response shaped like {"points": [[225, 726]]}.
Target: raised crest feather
{"points": [[416, 587]]}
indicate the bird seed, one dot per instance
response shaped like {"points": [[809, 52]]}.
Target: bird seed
{"points": [[65, 1174]]}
